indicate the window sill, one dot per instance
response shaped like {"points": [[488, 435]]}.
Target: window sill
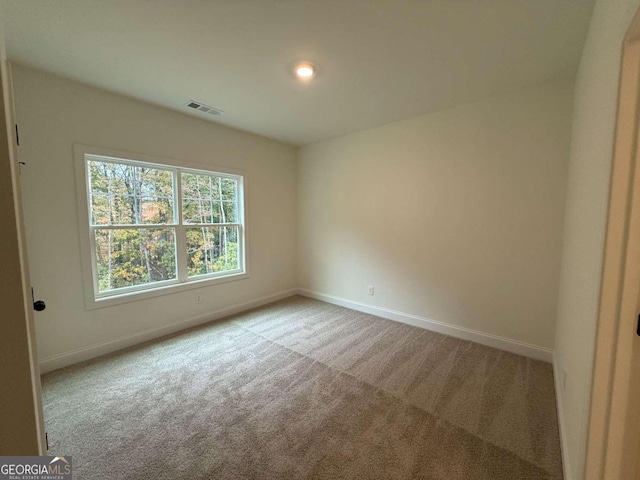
{"points": [[95, 303]]}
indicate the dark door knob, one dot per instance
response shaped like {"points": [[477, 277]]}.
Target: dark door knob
{"points": [[39, 305]]}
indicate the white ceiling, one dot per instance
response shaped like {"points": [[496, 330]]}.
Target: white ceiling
{"points": [[378, 61]]}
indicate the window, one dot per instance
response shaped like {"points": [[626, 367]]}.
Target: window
{"points": [[151, 226]]}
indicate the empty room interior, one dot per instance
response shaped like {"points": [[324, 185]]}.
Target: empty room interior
{"points": [[274, 239]]}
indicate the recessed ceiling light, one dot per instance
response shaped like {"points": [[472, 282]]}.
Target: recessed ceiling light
{"points": [[305, 71]]}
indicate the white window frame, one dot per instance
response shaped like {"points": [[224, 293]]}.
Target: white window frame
{"points": [[96, 299]]}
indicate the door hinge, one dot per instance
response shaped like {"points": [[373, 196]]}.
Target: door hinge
{"points": [[46, 439], [638, 326], [17, 136]]}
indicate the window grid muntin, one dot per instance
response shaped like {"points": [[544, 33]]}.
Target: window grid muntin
{"points": [[211, 200], [131, 163], [142, 286]]}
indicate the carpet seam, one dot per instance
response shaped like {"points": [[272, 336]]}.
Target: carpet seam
{"points": [[438, 417]]}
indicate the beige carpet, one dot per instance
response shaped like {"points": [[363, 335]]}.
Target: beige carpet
{"points": [[303, 389]]}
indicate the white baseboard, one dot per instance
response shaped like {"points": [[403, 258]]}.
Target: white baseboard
{"points": [[561, 425], [514, 346], [93, 351], [502, 343]]}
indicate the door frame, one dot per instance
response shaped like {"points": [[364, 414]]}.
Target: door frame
{"points": [[614, 423], [25, 410]]}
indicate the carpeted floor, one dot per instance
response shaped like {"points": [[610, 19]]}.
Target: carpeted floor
{"points": [[303, 389]]}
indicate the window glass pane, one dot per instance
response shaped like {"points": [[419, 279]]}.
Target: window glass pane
{"points": [[199, 186], [212, 249], [107, 209], [156, 210], [136, 256], [229, 210], [130, 195], [209, 199]]}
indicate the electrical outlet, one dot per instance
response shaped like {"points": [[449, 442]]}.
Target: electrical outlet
{"points": [[198, 298], [370, 290], [564, 379]]}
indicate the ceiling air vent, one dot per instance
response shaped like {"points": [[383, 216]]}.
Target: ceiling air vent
{"points": [[201, 107]]}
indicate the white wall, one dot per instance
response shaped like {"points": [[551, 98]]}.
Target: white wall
{"points": [[53, 114], [454, 216], [586, 210]]}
